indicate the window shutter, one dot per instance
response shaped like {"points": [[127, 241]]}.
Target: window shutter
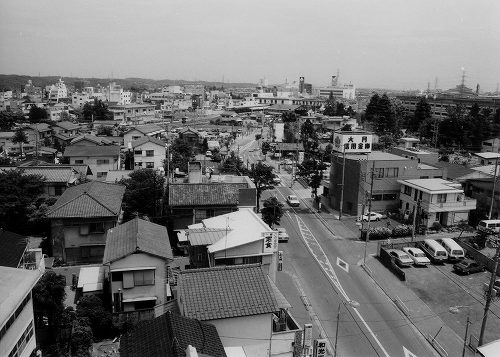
{"points": [[128, 280]]}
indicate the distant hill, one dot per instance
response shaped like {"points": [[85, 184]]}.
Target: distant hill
{"points": [[14, 81]]}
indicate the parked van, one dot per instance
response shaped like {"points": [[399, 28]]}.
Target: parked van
{"points": [[455, 252], [489, 226], [435, 251]]}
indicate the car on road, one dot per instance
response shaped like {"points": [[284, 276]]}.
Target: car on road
{"points": [[282, 235], [401, 258], [292, 200], [208, 153], [372, 216], [276, 180], [468, 266], [417, 255]]}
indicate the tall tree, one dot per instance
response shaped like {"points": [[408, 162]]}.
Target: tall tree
{"points": [[309, 137], [9, 119], [20, 138], [233, 165], [97, 110], [330, 106], [272, 211], [100, 320], [422, 112], [143, 194], [262, 176], [48, 298], [181, 154], [380, 113], [312, 171], [37, 115]]}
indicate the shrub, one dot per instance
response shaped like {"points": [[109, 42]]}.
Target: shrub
{"points": [[437, 226], [402, 230], [380, 233]]}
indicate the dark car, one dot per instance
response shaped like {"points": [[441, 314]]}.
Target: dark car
{"points": [[468, 266]]}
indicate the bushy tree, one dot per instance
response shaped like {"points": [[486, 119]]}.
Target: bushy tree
{"points": [[309, 137], [380, 113], [9, 119], [81, 338], [330, 106], [312, 171], [272, 211], [100, 320], [20, 138], [37, 115], [104, 130], [96, 110], [262, 176], [233, 165], [422, 112], [181, 154], [48, 298]]}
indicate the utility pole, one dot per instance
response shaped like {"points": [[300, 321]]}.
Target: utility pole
{"points": [[466, 332], [489, 297], [369, 211], [337, 330], [342, 185], [494, 187], [415, 212]]}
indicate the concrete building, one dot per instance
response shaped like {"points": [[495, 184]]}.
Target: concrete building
{"points": [[137, 254], [491, 145], [133, 113], [6, 144], [481, 189], [58, 91], [78, 100], [140, 131], [149, 153], [17, 327], [346, 91], [100, 159], [415, 153], [436, 200], [387, 170]]}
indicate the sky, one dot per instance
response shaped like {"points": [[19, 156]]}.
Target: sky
{"points": [[394, 44]]}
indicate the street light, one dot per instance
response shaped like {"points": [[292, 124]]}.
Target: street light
{"points": [[354, 304], [456, 310]]}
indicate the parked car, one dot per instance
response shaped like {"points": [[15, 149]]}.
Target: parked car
{"points": [[417, 255], [467, 266], [293, 201], [276, 180], [401, 258], [372, 216], [496, 287], [208, 153], [282, 235]]}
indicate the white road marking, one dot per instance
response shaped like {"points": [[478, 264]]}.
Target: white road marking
{"points": [[408, 353], [343, 264], [320, 256]]}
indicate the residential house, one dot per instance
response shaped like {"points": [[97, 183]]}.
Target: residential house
{"points": [[80, 219], [436, 200], [140, 131], [189, 136], [90, 140], [137, 255], [172, 335], [190, 203], [59, 177], [286, 149], [17, 328], [236, 238], [244, 305], [149, 153], [67, 128], [133, 113], [58, 111], [38, 135], [481, 189], [15, 252], [100, 159], [415, 153], [491, 145], [6, 144]]}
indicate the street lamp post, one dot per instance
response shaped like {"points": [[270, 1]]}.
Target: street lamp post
{"points": [[353, 303], [456, 310]]}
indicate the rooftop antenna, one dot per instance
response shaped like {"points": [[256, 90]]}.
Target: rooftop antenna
{"points": [[436, 84], [462, 83], [225, 238], [428, 87]]}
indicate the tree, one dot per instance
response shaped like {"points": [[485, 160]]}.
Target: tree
{"points": [[9, 119], [104, 130], [96, 110], [340, 110], [181, 153], [48, 298], [272, 211], [312, 171], [100, 320], [143, 194], [330, 106], [346, 127], [422, 112], [204, 145], [20, 138], [233, 164], [81, 338], [262, 176], [17, 194], [309, 137], [37, 115], [265, 147]]}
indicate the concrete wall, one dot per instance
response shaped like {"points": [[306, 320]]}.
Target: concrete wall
{"points": [[159, 155], [16, 330]]}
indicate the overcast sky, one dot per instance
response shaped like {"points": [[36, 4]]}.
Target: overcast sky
{"points": [[374, 43]]}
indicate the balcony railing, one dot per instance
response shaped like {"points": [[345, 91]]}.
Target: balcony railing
{"points": [[466, 204], [133, 316]]}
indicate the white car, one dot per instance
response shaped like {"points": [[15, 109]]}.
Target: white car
{"points": [[282, 235], [418, 256], [401, 258], [293, 201], [372, 216]]}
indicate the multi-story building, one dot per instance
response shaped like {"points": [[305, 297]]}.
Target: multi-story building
{"points": [[346, 91], [55, 112], [149, 153], [80, 219], [137, 254], [133, 113], [100, 159], [140, 131], [491, 145], [78, 99], [436, 200], [481, 189], [58, 91]]}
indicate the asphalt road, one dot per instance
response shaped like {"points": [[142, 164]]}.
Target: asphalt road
{"points": [[327, 268]]}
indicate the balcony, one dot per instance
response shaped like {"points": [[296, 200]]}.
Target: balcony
{"points": [[133, 316], [464, 204]]}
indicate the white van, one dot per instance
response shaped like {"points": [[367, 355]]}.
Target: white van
{"points": [[434, 250], [455, 252], [489, 226]]}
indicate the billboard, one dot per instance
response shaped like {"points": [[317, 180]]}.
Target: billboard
{"points": [[279, 132], [270, 242], [319, 348], [352, 142]]}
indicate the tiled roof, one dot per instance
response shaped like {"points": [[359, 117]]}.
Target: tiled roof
{"points": [[95, 139], [56, 174], [169, 335], [12, 248], [146, 139], [224, 292], [186, 130], [92, 151], [147, 128], [67, 125], [204, 194], [92, 199], [137, 235], [39, 127]]}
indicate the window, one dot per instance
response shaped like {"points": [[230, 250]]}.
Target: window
{"points": [[150, 153], [390, 196], [138, 164], [141, 305], [138, 152], [441, 198], [407, 190], [97, 227], [144, 277], [58, 190], [392, 172], [379, 173], [23, 341], [150, 165], [102, 161], [78, 162], [102, 175], [377, 197], [117, 276], [135, 137]]}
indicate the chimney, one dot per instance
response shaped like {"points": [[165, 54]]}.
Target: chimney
{"points": [[194, 172]]}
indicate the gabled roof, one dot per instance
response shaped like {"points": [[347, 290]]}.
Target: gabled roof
{"points": [[92, 138], [169, 335], [225, 292], [147, 139], [12, 247], [147, 129], [453, 171], [92, 199], [67, 125], [91, 151], [188, 129], [202, 236], [204, 194], [39, 127], [137, 235], [55, 173]]}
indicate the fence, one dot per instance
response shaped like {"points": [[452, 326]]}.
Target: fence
{"points": [[477, 255], [388, 261]]}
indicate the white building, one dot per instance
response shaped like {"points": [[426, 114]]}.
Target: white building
{"points": [[149, 153], [115, 93], [55, 111], [79, 99], [346, 91], [17, 329], [58, 91]]}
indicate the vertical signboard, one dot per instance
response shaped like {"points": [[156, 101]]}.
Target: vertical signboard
{"points": [[280, 260], [279, 132], [307, 339], [297, 345], [319, 348], [270, 242]]}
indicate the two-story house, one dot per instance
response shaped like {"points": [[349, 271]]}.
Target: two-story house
{"points": [[80, 219], [90, 140], [140, 131], [436, 200], [137, 255], [149, 153], [63, 132], [100, 159], [190, 136], [245, 306]]}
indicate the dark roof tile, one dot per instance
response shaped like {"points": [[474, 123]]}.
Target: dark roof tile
{"points": [[206, 194], [12, 247]]}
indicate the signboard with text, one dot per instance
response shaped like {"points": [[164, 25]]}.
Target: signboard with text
{"points": [[270, 241], [352, 142], [319, 348]]}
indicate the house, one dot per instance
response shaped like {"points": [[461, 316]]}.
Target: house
{"points": [[38, 135], [244, 305], [190, 203], [100, 159], [171, 335], [80, 219], [149, 153], [90, 140], [58, 111], [140, 131], [137, 254], [481, 189], [235, 238], [189, 136], [135, 113], [289, 148], [436, 200], [415, 153], [66, 127], [491, 145], [17, 328]]}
